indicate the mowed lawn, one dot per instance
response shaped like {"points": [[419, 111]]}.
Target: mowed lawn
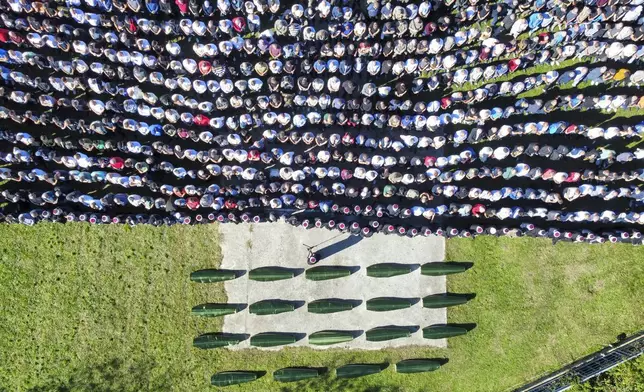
{"points": [[107, 308]]}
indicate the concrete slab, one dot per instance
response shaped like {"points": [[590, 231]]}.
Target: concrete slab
{"points": [[248, 246]]}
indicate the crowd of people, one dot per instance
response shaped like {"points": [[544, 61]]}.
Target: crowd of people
{"points": [[455, 118]]}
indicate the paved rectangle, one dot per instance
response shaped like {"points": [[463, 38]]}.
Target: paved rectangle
{"points": [[249, 246]]}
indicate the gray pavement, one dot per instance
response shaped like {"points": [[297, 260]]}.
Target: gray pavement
{"points": [[248, 246]]}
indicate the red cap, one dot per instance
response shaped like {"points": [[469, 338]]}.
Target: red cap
{"points": [[205, 67], [183, 6], [4, 35], [117, 163], [192, 203], [239, 24], [201, 120]]}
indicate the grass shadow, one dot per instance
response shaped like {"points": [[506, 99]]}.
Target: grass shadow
{"points": [[113, 375]]}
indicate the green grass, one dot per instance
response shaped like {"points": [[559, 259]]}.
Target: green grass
{"points": [[107, 308], [541, 306], [82, 303]]}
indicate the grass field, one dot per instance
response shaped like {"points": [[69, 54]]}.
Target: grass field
{"points": [[106, 308]]}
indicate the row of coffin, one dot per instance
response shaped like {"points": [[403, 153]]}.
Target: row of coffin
{"points": [[223, 379], [382, 270], [330, 305], [329, 337]]}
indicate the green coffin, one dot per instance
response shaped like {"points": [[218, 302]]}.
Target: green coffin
{"points": [[386, 270], [330, 306], [216, 340], [442, 268], [443, 331], [212, 275], [272, 339], [444, 300], [269, 274], [417, 366], [327, 272], [295, 374], [224, 379], [358, 370], [269, 306], [323, 338], [215, 310], [380, 334], [384, 304]]}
